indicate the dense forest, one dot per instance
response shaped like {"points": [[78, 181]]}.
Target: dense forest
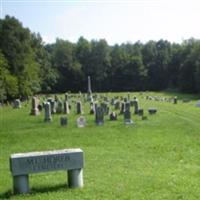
{"points": [[29, 66]]}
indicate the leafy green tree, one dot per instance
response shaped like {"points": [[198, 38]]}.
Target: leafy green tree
{"points": [[8, 82], [68, 67], [83, 53], [189, 70], [119, 59], [16, 45], [157, 56], [3, 73], [99, 64], [134, 73], [48, 75]]}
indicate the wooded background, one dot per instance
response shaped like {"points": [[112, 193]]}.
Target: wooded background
{"points": [[29, 66]]}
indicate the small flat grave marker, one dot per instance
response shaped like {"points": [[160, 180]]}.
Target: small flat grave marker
{"points": [[152, 111], [63, 121], [81, 122], [17, 104], [113, 116], [140, 112]]}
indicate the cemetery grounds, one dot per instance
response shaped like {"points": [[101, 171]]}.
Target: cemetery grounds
{"points": [[152, 159]]}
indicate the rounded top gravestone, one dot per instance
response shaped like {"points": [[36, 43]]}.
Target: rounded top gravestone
{"points": [[81, 122]]}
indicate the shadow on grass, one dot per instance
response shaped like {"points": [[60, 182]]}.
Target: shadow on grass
{"points": [[33, 191]]}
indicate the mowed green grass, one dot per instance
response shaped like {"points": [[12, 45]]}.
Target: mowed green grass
{"points": [[154, 159]]}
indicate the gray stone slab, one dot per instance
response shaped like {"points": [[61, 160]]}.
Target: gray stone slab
{"points": [[35, 162]]}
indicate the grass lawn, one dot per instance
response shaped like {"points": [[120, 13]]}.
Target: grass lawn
{"points": [[154, 159]]}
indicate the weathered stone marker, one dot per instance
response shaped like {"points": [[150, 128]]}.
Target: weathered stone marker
{"points": [[34, 109], [136, 106], [127, 117], [99, 116], [89, 92], [81, 122], [79, 107], [47, 108], [113, 116], [59, 108], [175, 100], [17, 103], [152, 111], [23, 164], [63, 121], [66, 107]]}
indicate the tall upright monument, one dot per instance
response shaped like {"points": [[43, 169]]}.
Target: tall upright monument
{"points": [[89, 86], [90, 98]]}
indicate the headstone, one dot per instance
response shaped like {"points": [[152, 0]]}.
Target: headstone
{"points": [[105, 107], [79, 107], [113, 116], [127, 117], [125, 99], [89, 86], [53, 105], [175, 100], [127, 106], [24, 164], [122, 108], [40, 107], [66, 97], [81, 122], [34, 109], [140, 112], [99, 116], [59, 108], [66, 107], [92, 108], [47, 112], [136, 107], [152, 111], [17, 104], [63, 121]]}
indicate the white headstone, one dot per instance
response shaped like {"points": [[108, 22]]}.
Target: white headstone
{"points": [[81, 122]]}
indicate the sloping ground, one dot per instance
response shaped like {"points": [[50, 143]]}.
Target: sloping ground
{"points": [[153, 159]]}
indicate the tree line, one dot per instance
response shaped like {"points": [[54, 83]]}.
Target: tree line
{"points": [[29, 66]]}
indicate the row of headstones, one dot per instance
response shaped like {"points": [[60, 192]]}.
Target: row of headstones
{"points": [[163, 99], [58, 106], [99, 115], [64, 107], [50, 107]]}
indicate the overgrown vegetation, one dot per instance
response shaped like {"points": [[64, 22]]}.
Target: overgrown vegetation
{"points": [[29, 66]]}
